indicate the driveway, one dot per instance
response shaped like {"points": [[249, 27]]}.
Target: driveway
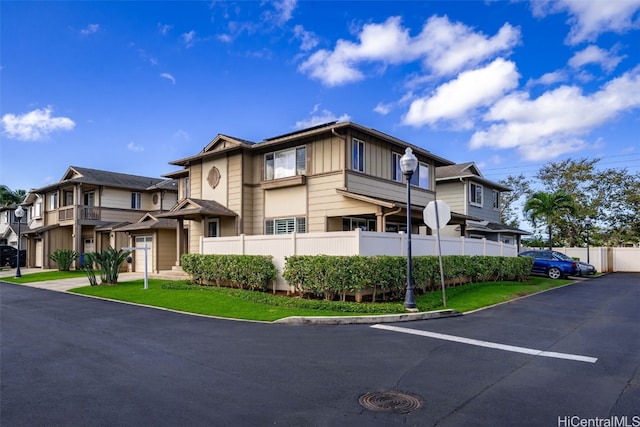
{"points": [[67, 360]]}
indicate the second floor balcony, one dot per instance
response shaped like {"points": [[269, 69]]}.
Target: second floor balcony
{"points": [[71, 213]]}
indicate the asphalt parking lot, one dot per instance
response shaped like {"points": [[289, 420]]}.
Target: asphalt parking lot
{"points": [[552, 359]]}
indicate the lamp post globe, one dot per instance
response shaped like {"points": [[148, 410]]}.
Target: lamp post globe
{"points": [[19, 213], [408, 165]]}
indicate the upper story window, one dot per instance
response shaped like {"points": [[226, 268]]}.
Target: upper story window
{"points": [[136, 200], [475, 194], [357, 160], [420, 177], [53, 201], [285, 163], [36, 210], [396, 171], [89, 198], [68, 198], [187, 188], [495, 195]]}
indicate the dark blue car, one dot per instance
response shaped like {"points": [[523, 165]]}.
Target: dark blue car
{"points": [[552, 263]]}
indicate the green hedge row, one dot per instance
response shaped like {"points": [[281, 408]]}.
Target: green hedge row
{"points": [[251, 272], [329, 276]]}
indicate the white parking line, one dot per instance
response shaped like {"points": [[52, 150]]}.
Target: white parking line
{"points": [[488, 344]]}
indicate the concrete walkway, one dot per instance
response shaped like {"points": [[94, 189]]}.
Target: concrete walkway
{"points": [[63, 285]]}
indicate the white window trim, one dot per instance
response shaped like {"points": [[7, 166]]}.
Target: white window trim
{"points": [[216, 221], [296, 170], [298, 223], [395, 167], [355, 142], [474, 203], [496, 206]]}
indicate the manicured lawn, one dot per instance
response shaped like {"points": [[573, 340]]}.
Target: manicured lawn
{"points": [[477, 295], [213, 301], [238, 304], [45, 276]]}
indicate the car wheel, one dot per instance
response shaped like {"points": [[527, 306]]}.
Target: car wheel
{"points": [[554, 273]]}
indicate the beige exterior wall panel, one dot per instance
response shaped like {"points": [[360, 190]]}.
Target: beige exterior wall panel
{"points": [[452, 193], [368, 186], [195, 175], [285, 202], [220, 192]]}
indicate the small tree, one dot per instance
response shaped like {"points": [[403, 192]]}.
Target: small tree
{"points": [[64, 258]]}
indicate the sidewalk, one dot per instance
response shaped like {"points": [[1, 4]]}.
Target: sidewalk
{"points": [[62, 285]]}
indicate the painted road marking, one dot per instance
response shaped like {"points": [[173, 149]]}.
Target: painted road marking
{"points": [[488, 344]]}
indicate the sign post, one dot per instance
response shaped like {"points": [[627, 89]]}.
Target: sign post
{"points": [[145, 248], [436, 215]]}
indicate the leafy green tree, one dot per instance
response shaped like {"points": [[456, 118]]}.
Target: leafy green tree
{"points": [[549, 208], [520, 187], [8, 196]]}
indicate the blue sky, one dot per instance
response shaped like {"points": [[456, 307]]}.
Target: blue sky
{"points": [[130, 86]]}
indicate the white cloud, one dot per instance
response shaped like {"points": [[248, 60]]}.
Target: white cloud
{"points": [[168, 77], [308, 39], [443, 47], [182, 134], [590, 18], [320, 117], [555, 123], [470, 90], [548, 79], [284, 9], [164, 28], [189, 38], [134, 147], [34, 125], [595, 55], [383, 109], [90, 29]]}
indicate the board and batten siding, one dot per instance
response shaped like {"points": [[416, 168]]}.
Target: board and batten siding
{"points": [[325, 155], [325, 202], [386, 190], [234, 189]]}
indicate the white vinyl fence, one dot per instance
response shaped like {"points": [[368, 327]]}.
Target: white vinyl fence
{"points": [[355, 242], [607, 259]]}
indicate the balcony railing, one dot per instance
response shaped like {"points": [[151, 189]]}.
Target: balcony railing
{"points": [[67, 213]]}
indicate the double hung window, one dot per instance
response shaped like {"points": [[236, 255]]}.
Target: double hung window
{"points": [[285, 163], [136, 200], [475, 194]]}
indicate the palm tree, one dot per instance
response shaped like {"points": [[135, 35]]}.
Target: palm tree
{"points": [[549, 208], [8, 196]]}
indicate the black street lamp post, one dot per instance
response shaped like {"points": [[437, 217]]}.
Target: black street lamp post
{"points": [[587, 224], [408, 165], [19, 213]]}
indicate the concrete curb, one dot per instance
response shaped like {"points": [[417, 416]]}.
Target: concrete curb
{"points": [[349, 320]]}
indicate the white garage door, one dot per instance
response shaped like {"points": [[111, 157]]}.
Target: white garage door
{"points": [[38, 260], [139, 254]]}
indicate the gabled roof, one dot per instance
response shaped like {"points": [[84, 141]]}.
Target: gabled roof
{"points": [[76, 174], [224, 143], [465, 171], [149, 222], [220, 144], [196, 208]]}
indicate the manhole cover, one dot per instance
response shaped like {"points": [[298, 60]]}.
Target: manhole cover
{"points": [[390, 401]]}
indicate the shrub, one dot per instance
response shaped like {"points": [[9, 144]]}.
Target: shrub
{"points": [[109, 262], [64, 258], [244, 271]]}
